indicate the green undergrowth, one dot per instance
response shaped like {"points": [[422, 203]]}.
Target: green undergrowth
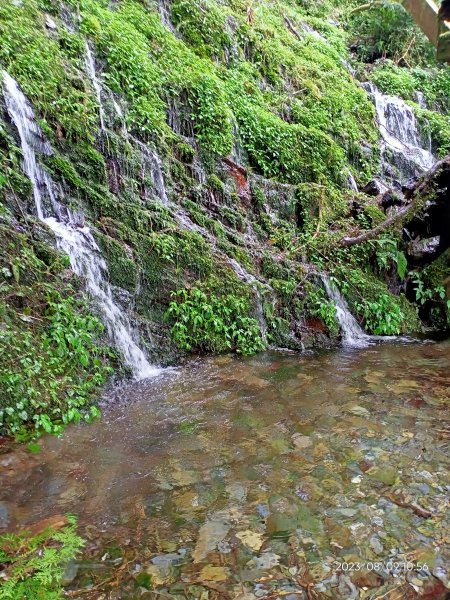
{"points": [[310, 119], [204, 321], [362, 274], [52, 364], [32, 566], [385, 30]]}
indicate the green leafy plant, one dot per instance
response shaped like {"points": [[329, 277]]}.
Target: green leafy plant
{"points": [[213, 324], [383, 316], [41, 376], [319, 305], [423, 293], [387, 254], [386, 30], [33, 566], [51, 360]]}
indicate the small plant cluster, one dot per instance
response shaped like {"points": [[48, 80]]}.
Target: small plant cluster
{"points": [[386, 30], [358, 272], [209, 323], [319, 305], [32, 567], [43, 378], [382, 317], [424, 293]]}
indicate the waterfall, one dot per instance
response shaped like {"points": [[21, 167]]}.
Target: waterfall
{"points": [[308, 29], [353, 335], [90, 67], [164, 13], [402, 144], [156, 168], [351, 181], [72, 236]]}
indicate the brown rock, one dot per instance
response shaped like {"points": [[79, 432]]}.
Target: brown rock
{"points": [[55, 522]]}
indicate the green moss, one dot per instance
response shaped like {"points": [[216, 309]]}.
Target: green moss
{"points": [[437, 274], [122, 268], [203, 25], [375, 214], [318, 205], [438, 127], [185, 152], [215, 183], [49, 76]]}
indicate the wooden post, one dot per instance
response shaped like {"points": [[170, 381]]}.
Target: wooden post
{"points": [[425, 14]]}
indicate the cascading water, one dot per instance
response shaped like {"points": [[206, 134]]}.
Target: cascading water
{"points": [[164, 11], [90, 67], [253, 282], [353, 335], [403, 156], [402, 144], [351, 181], [71, 235], [156, 169]]}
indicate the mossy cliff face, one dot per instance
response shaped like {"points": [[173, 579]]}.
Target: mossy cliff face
{"points": [[212, 159]]}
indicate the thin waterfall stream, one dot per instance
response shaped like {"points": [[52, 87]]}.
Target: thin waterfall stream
{"points": [[90, 67], [402, 143], [353, 336], [72, 235], [402, 157]]}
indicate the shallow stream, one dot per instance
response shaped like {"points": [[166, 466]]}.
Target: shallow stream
{"points": [[278, 476]]}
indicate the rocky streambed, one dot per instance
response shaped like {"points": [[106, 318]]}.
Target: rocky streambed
{"points": [[279, 476]]}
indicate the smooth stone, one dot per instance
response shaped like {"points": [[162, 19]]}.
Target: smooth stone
{"points": [[5, 516], [50, 23], [376, 545]]}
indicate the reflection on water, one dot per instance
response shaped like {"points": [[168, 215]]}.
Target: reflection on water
{"points": [[248, 478]]}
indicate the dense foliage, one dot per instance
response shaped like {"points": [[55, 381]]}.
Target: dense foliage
{"points": [[213, 324]]}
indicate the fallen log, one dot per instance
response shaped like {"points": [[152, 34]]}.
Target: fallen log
{"points": [[415, 194]]}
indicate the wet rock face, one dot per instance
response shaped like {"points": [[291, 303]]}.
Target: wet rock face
{"points": [[239, 174], [375, 188], [430, 230]]}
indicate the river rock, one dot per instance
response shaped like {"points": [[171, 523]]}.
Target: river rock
{"points": [[50, 23], [70, 572], [280, 525], [376, 545], [5, 515], [376, 187], [301, 441], [387, 475], [211, 533]]}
